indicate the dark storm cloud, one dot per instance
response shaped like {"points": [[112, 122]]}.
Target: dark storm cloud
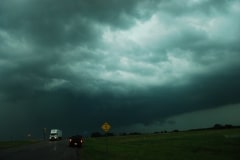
{"points": [[44, 24], [127, 62], [192, 7], [63, 22]]}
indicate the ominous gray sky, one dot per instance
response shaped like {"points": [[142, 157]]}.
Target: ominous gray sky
{"points": [[141, 65]]}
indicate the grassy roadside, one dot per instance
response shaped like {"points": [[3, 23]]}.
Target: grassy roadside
{"points": [[191, 145], [11, 144]]}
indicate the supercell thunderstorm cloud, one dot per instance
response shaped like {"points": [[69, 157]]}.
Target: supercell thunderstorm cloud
{"points": [[141, 65]]}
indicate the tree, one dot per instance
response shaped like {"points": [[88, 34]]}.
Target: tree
{"points": [[96, 134]]}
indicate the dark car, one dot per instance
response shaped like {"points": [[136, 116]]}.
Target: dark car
{"points": [[75, 141]]}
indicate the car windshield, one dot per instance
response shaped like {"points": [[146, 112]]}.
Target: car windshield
{"points": [[53, 134], [76, 137]]}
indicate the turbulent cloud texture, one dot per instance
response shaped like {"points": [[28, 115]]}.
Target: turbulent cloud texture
{"points": [[75, 64]]}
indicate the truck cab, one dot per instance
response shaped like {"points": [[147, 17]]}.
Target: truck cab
{"points": [[55, 134]]}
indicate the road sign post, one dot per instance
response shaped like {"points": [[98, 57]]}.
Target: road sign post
{"points": [[106, 127]]}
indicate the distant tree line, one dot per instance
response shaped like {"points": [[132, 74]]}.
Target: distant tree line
{"points": [[220, 126], [99, 134], [215, 126]]}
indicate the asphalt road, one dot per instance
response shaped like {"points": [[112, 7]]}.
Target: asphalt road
{"points": [[49, 150]]}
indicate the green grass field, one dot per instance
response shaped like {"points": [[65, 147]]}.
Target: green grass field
{"points": [[191, 145], [11, 144]]}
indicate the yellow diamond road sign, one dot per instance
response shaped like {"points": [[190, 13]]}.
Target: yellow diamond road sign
{"points": [[106, 127]]}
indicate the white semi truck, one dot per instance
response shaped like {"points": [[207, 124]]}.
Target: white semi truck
{"points": [[55, 134]]}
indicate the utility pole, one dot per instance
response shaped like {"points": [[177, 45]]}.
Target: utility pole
{"points": [[44, 133]]}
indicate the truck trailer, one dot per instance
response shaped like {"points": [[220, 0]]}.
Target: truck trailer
{"points": [[55, 134]]}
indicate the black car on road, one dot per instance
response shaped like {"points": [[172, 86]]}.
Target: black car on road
{"points": [[75, 141]]}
